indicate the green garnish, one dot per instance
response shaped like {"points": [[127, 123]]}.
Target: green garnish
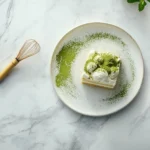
{"points": [[98, 59], [105, 61], [142, 3], [114, 69], [108, 69], [109, 62]]}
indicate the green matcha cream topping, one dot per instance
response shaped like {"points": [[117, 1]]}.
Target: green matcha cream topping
{"points": [[106, 61]]}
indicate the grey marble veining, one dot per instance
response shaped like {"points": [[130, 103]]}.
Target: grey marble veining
{"points": [[31, 115]]}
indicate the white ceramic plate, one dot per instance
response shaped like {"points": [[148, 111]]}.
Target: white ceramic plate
{"points": [[68, 62]]}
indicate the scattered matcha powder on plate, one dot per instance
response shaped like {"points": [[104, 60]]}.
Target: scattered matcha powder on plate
{"points": [[64, 61], [68, 53]]}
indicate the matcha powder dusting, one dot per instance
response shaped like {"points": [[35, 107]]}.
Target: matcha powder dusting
{"points": [[64, 59], [68, 54]]}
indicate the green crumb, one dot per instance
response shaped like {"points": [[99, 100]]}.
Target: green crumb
{"points": [[121, 93], [102, 35], [132, 68], [64, 61]]}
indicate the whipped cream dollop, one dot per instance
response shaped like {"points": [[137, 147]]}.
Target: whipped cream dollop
{"points": [[100, 75], [85, 75], [91, 66], [113, 75]]}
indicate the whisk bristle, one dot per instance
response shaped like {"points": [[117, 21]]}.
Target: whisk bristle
{"points": [[30, 48]]}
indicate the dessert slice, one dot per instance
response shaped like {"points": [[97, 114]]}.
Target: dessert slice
{"points": [[101, 69]]}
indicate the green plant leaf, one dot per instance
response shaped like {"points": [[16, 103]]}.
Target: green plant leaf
{"points": [[142, 5], [132, 1]]}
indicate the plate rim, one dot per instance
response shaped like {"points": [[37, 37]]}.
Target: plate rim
{"points": [[69, 32]]}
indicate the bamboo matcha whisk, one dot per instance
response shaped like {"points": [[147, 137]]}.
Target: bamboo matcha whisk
{"points": [[30, 48]]}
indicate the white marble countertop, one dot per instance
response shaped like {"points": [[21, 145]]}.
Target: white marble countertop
{"points": [[31, 115]]}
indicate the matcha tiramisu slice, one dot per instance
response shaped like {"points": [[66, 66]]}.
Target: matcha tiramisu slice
{"points": [[101, 69]]}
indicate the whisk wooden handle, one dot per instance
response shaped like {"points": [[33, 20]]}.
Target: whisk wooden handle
{"points": [[6, 70]]}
